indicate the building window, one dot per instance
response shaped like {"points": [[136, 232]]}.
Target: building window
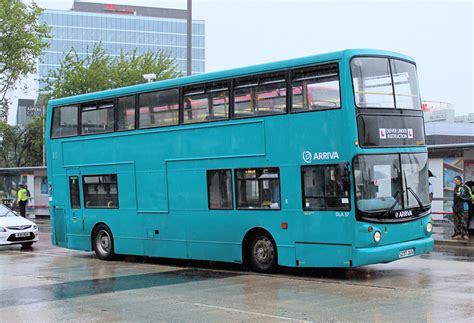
{"points": [[157, 109], [254, 96], [316, 88], [100, 191], [126, 113], [206, 103], [64, 122], [74, 192], [258, 188], [325, 187], [97, 118], [219, 189], [44, 185]]}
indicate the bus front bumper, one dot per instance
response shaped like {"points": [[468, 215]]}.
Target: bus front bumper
{"points": [[392, 252]]}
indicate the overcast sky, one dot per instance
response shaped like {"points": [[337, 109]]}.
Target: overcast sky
{"points": [[437, 34]]}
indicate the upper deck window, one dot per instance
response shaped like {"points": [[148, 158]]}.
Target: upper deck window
{"points": [[97, 118], [126, 113], [64, 122], [157, 109], [206, 103], [385, 83], [316, 89], [255, 96]]}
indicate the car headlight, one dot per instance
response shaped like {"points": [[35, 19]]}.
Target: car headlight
{"points": [[2, 229], [35, 227], [429, 227], [377, 236]]}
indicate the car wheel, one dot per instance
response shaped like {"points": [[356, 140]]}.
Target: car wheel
{"points": [[103, 243], [263, 254], [26, 245]]}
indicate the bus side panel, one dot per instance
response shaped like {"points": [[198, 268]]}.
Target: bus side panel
{"points": [[320, 255]]}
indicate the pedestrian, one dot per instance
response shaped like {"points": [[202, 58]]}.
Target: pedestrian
{"points": [[22, 200], [461, 201]]}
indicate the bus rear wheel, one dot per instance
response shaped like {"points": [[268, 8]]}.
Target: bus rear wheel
{"points": [[103, 243], [262, 253]]}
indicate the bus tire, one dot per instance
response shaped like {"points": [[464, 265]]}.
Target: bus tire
{"points": [[262, 254], [103, 242]]}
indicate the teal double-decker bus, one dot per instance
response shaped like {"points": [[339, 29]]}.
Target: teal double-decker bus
{"points": [[312, 162]]}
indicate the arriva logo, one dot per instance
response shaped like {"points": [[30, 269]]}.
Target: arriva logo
{"points": [[308, 156]]}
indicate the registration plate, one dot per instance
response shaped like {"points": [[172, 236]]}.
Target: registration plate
{"points": [[406, 253], [22, 234]]}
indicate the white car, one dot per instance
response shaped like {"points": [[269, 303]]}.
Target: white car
{"points": [[15, 229]]}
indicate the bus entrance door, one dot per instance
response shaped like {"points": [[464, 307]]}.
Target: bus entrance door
{"points": [[74, 216]]}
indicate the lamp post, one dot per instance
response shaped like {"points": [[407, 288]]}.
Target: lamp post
{"points": [[189, 25]]}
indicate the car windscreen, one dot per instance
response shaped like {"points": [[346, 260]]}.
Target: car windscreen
{"points": [[4, 211]]}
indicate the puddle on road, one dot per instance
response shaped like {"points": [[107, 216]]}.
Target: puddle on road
{"points": [[67, 290]]}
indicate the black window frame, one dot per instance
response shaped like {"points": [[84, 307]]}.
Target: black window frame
{"points": [[236, 185], [231, 188], [55, 110], [73, 206], [309, 69], [303, 196], [99, 105], [379, 109], [84, 191]]}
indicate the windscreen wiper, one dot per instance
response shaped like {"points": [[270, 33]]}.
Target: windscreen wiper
{"points": [[397, 198], [417, 198]]}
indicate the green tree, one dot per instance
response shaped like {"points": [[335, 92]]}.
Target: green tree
{"points": [[99, 71], [21, 146], [22, 40]]}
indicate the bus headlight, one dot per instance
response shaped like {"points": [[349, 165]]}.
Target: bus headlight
{"points": [[377, 236], [429, 227]]}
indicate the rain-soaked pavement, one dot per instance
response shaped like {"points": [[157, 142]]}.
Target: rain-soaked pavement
{"points": [[52, 284]]}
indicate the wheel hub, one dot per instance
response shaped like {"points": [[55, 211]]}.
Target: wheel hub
{"points": [[263, 251]]}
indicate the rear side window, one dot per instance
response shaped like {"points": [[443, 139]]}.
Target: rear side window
{"points": [[97, 118], [219, 188], [126, 113], [258, 188], [207, 103], [157, 109], [316, 88], [74, 192], [64, 122], [260, 95], [325, 187], [100, 191]]}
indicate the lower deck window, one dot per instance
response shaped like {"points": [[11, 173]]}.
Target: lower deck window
{"points": [[219, 188], [325, 187], [258, 188], [74, 192], [100, 191]]}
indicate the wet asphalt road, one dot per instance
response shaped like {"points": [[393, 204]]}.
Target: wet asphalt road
{"points": [[47, 284]]}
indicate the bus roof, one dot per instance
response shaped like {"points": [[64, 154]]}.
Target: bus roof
{"points": [[236, 72]]}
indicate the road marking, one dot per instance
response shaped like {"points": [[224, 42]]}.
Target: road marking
{"points": [[228, 309]]}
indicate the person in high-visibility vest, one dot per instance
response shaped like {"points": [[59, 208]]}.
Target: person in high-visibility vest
{"points": [[461, 201], [22, 200]]}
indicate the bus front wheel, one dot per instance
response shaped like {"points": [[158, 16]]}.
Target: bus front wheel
{"points": [[262, 253], [103, 243]]}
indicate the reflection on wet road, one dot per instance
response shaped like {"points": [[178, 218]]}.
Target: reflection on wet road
{"points": [[60, 291], [51, 284]]}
